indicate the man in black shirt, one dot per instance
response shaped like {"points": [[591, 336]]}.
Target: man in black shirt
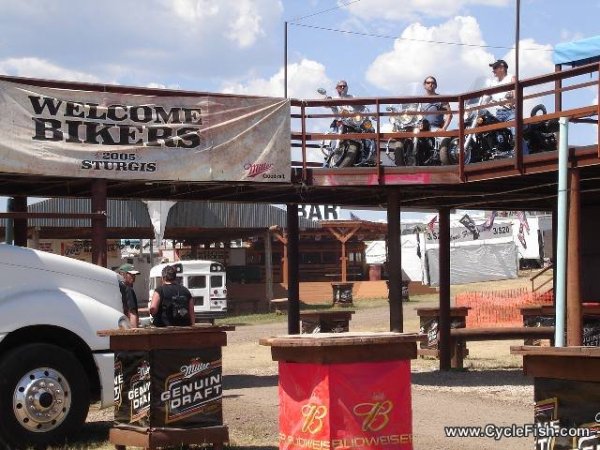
{"points": [[172, 303], [130, 304]]}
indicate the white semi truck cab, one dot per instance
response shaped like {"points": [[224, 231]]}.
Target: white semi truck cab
{"points": [[52, 362]]}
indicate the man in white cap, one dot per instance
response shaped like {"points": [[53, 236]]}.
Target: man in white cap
{"points": [[130, 304], [506, 111]]}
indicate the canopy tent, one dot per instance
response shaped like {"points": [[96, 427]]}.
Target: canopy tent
{"points": [[578, 53], [480, 251]]}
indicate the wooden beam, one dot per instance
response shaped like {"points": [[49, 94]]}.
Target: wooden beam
{"points": [[444, 280], [574, 317]]}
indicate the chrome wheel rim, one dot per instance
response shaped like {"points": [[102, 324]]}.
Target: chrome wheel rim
{"points": [[41, 400]]}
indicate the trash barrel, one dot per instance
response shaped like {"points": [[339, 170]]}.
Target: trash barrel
{"points": [[375, 272], [342, 293]]}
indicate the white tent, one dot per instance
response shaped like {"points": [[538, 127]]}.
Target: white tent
{"points": [[477, 252]]}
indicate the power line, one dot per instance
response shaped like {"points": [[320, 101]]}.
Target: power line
{"points": [[326, 10], [384, 36]]}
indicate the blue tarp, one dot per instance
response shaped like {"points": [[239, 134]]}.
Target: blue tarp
{"points": [[577, 53]]}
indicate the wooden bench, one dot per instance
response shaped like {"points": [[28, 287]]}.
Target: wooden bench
{"points": [[460, 336]]}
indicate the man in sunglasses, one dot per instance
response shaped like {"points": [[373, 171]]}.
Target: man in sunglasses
{"points": [[342, 89], [438, 114]]}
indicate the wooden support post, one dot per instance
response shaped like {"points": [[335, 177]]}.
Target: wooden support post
{"points": [[20, 225], [344, 236], [344, 263], [99, 204], [394, 261], [444, 268], [194, 245], [557, 90], [268, 266], [519, 127], [574, 317], [284, 259], [293, 266]]}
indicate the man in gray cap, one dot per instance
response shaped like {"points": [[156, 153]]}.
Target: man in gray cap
{"points": [[130, 304]]}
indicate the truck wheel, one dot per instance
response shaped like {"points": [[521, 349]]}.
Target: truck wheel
{"points": [[44, 395]]}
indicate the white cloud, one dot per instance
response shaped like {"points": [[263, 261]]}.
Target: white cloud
{"points": [[303, 80], [246, 27], [241, 18], [414, 57], [40, 68], [196, 43], [413, 9], [534, 58], [569, 35], [194, 11], [163, 86]]}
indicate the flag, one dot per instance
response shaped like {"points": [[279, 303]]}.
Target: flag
{"points": [[489, 223], [431, 224], [354, 216], [523, 220], [521, 237], [468, 223]]}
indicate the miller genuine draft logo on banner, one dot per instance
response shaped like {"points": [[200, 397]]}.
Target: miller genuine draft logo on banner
{"points": [[132, 388], [566, 414], [195, 389], [118, 385], [49, 128], [138, 394]]}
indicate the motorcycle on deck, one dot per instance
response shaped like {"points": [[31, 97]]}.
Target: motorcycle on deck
{"points": [[542, 136], [484, 146], [340, 152], [415, 151]]}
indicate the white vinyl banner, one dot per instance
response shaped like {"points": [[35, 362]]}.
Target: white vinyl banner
{"points": [[97, 134], [462, 234]]}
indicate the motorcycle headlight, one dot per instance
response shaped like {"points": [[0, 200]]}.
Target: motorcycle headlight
{"points": [[357, 118], [367, 124], [405, 119], [479, 120]]}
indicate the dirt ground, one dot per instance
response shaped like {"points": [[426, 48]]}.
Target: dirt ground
{"points": [[492, 391]]}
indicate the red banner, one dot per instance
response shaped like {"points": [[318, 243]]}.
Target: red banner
{"points": [[360, 406]]}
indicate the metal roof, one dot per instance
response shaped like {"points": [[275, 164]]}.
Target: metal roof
{"points": [[184, 214], [206, 214]]}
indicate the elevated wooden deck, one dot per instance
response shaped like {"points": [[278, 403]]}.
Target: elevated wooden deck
{"points": [[522, 182]]}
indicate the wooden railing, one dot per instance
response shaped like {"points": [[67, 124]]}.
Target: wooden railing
{"points": [[544, 282], [306, 112]]}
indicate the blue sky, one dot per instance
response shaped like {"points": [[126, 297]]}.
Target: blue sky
{"points": [[237, 45]]}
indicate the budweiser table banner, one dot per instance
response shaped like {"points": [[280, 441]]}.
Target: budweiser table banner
{"points": [[363, 406], [47, 130]]}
